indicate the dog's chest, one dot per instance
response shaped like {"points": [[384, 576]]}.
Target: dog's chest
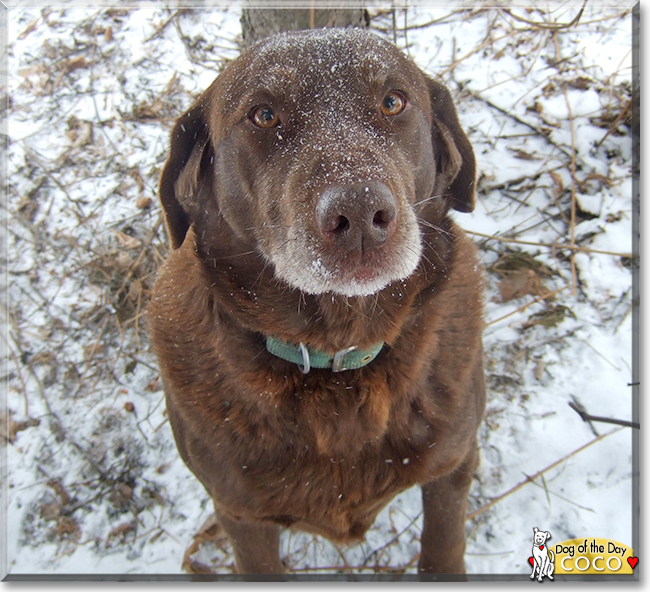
{"points": [[338, 456], [337, 494]]}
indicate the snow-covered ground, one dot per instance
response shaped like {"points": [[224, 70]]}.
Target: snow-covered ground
{"points": [[95, 484]]}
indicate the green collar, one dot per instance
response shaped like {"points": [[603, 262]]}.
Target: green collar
{"points": [[307, 358]]}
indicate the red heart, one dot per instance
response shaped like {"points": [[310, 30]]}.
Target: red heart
{"points": [[531, 560], [541, 547], [633, 561]]}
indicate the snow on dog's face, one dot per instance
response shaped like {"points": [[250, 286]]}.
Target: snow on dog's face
{"points": [[324, 151]]}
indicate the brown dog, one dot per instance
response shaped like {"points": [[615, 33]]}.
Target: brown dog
{"points": [[306, 196]]}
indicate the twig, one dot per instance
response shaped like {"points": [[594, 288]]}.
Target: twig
{"points": [[624, 115], [20, 377], [518, 119], [551, 246], [391, 541], [37, 160], [539, 473], [600, 355], [525, 306], [406, 37], [574, 182], [162, 27], [152, 235], [543, 25], [587, 418], [90, 354], [563, 498]]}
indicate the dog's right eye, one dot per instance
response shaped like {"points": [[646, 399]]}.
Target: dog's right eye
{"points": [[264, 117]]}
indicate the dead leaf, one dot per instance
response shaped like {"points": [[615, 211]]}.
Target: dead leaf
{"points": [[64, 496], [559, 184], [51, 511], [73, 64], [30, 28], [119, 531], [143, 203], [126, 241], [9, 428], [68, 528], [581, 83], [81, 136], [91, 350], [516, 284], [549, 89], [524, 155], [137, 177], [146, 111], [135, 290], [70, 65], [162, 468], [550, 317], [121, 496], [517, 261]]}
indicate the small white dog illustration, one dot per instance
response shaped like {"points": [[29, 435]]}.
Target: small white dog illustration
{"points": [[542, 557]]}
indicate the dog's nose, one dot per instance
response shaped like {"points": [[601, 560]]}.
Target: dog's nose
{"points": [[360, 216]]}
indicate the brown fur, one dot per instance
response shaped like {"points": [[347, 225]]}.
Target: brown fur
{"points": [[322, 451]]}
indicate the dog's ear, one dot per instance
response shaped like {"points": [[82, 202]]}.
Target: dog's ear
{"points": [[189, 158], [456, 165]]}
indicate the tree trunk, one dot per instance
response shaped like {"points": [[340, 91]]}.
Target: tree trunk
{"points": [[258, 23]]}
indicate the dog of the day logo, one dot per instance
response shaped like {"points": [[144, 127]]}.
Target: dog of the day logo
{"points": [[594, 556]]}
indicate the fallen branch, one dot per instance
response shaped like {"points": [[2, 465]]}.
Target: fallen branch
{"points": [[538, 474], [544, 25], [587, 418]]}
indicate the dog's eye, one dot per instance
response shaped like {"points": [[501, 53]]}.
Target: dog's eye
{"points": [[393, 104], [264, 117]]}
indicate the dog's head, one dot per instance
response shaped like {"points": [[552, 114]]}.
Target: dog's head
{"points": [[540, 536], [327, 153]]}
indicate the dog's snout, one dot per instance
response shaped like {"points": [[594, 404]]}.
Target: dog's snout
{"points": [[357, 217]]}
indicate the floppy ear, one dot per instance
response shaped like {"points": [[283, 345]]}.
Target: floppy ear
{"points": [[456, 174], [187, 163]]}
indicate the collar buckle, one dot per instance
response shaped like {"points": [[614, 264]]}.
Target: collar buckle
{"points": [[337, 362]]}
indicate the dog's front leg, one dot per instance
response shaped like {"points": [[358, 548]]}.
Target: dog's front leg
{"points": [[444, 501], [256, 546], [543, 567]]}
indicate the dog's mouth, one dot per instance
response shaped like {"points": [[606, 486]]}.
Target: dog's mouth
{"points": [[314, 268], [352, 239], [351, 276]]}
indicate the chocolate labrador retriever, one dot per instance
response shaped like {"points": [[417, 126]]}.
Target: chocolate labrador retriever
{"points": [[318, 320]]}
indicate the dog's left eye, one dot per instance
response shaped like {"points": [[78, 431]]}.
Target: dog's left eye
{"points": [[393, 104], [264, 117]]}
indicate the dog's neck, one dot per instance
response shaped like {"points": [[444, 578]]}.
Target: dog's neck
{"points": [[243, 285]]}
